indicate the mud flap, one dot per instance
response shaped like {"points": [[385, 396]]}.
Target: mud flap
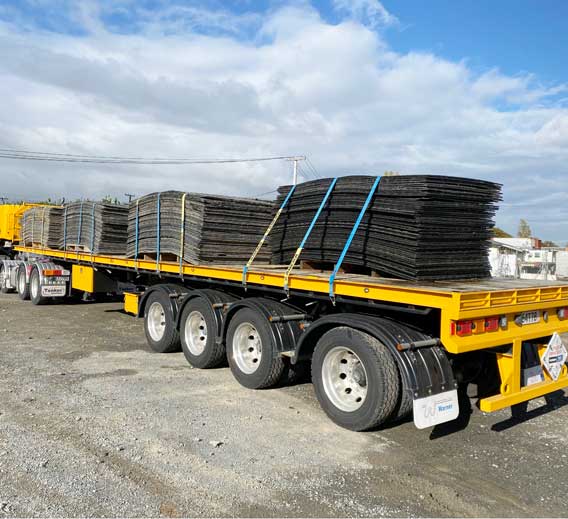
{"points": [[434, 388]]}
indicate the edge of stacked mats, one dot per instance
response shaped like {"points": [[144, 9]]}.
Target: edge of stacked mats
{"points": [[95, 227], [198, 228], [42, 225]]}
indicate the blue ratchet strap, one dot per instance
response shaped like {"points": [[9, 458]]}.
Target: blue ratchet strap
{"points": [[350, 239], [307, 235], [182, 235], [158, 235], [268, 231], [136, 224], [65, 232], [80, 225], [93, 230]]}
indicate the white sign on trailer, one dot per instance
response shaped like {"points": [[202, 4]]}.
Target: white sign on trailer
{"points": [[436, 409], [555, 356]]}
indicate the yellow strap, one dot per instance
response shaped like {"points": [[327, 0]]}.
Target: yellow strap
{"points": [[291, 266], [261, 242]]}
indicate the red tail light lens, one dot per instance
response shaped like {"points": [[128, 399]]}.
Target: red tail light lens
{"points": [[492, 324], [461, 328]]}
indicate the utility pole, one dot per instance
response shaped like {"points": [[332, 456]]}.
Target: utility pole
{"points": [[295, 160], [130, 196]]}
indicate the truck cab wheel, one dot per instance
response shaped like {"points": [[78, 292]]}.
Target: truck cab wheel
{"points": [[159, 324], [35, 288], [355, 379], [198, 328], [22, 284], [251, 351]]}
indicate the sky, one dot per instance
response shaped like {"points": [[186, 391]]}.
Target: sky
{"points": [[477, 89]]}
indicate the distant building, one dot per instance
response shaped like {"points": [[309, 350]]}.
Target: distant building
{"points": [[525, 258]]}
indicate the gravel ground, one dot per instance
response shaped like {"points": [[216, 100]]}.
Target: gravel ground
{"points": [[92, 423]]}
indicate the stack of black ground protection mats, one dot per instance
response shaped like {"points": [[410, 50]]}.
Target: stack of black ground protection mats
{"points": [[95, 227], [198, 228], [43, 226], [417, 227]]}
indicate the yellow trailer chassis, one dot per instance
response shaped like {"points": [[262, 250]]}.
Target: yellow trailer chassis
{"points": [[476, 303]]}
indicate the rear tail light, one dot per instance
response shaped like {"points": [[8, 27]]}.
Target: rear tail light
{"points": [[490, 324], [50, 273], [461, 328], [562, 313]]}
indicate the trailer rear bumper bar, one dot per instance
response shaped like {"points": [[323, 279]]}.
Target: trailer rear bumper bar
{"points": [[497, 402], [514, 390]]}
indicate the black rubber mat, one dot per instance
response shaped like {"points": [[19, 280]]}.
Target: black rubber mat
{"points": [[43, 226], [416, 227], [95, 227], [214, 229]]}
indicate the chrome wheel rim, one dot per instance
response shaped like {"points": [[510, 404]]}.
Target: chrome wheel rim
{"points": [[344, 379], [247, 348], [34, 286], [21, 282], [156, 320], [195, 333]]}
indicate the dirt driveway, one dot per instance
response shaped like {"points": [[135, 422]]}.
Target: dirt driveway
{"points": [[92, 423]]}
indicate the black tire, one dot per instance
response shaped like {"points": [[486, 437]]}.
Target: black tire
{"points": [[213, 353], [295, 373], [382, 381], [270, 367], [169, 341], [35, 288], [22, 287]]}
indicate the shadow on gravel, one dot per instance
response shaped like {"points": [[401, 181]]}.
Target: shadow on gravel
{"points": [[520, 414], [461, 422]]}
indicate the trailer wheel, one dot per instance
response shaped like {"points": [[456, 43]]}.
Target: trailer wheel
{"points": [[22, 286], [4, 289], [198, 335], [159, 324], [251, 351], [355, 379], [35, 288]]}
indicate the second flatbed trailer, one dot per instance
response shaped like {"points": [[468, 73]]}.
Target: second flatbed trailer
{"points": [[379, 348]]}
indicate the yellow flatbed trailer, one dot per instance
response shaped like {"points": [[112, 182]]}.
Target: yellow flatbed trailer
{"points": [[490, 318]]}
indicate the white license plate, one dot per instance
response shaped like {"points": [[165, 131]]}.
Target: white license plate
{"points": [[530, 317], [436, 409], [53, 291]]}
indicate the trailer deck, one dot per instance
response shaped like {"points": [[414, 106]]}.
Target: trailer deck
{"points": [[463, 298]]}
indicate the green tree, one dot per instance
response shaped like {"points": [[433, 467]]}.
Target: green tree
{"points": [[500, 233], [524, 229]]}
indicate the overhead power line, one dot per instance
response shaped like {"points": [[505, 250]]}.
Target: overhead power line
{"points": [[312, 167], [8, 153]]}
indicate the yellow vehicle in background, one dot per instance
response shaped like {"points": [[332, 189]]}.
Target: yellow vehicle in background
{"points": [[10, 224]]}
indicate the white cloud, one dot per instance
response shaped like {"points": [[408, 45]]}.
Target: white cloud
{"points": [[371, 12], [294, 84]]}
